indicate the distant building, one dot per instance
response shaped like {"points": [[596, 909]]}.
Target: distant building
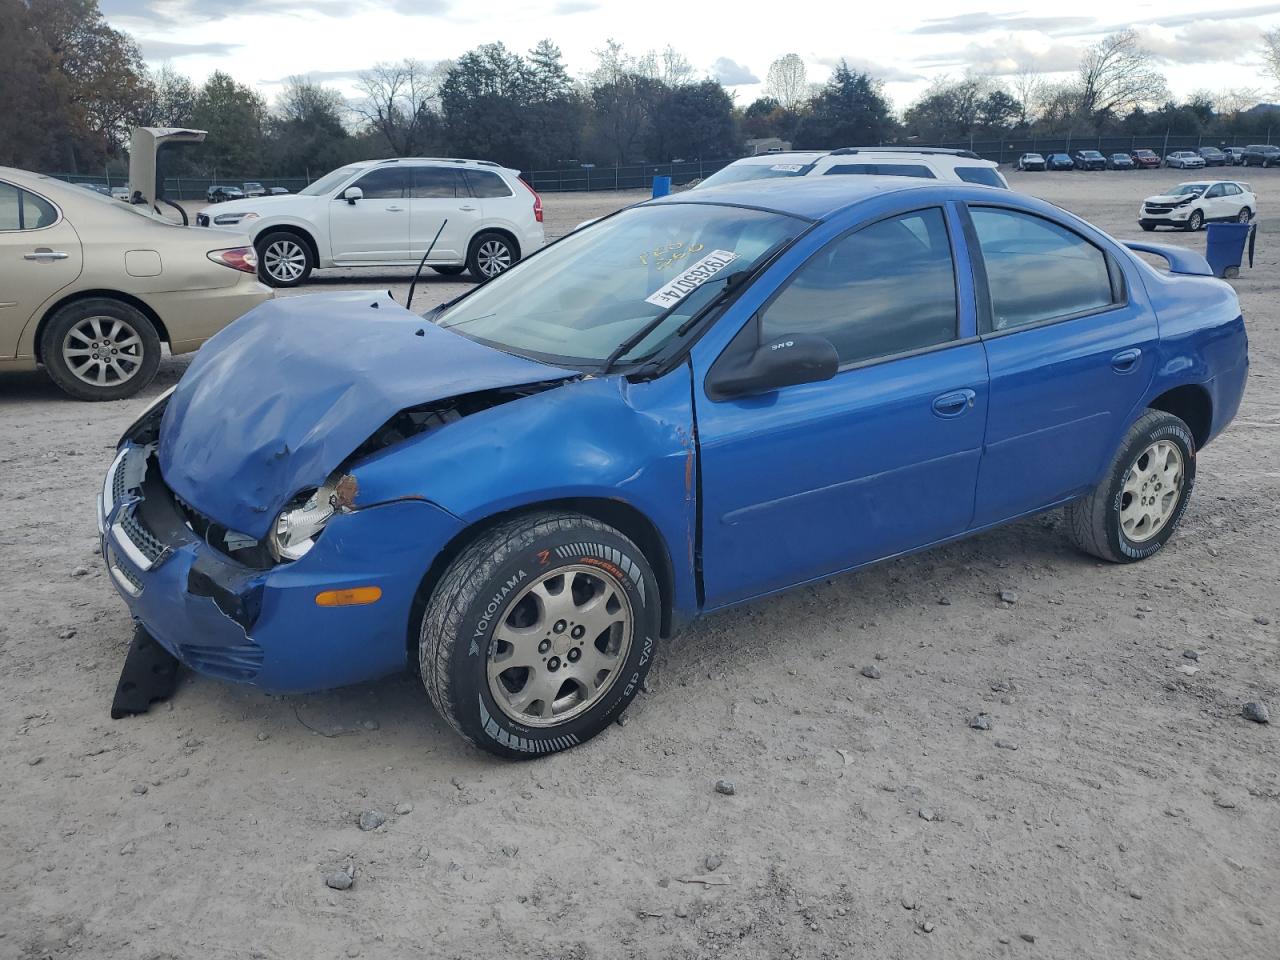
{"points": [[761, 145]]}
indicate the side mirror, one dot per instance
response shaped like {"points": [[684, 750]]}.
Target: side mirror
{"points": [[352, 194], [781, 362]]}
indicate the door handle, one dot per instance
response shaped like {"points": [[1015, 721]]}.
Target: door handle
{"points": [[466, 209], [1126, 361], [954, 403], [44, 253], [394, 209]]}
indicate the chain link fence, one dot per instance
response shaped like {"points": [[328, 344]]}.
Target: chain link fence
{"points": [[639, 176]]}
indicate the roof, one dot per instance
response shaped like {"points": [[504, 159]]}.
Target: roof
{"points": [[815, 198]]}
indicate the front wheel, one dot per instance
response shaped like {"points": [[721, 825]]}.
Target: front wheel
{"points": [[1133, 512], [490, 255], [284, 259], [1195, 221], [539, 634]]}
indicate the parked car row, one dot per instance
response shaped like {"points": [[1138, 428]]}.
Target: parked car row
{"points": [[219, 193], [1259, 155]]}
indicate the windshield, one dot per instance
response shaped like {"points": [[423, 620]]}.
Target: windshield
{"points": [[1189, 188], [328, 182], [1091, 154], [740, 172], [582, 297]]}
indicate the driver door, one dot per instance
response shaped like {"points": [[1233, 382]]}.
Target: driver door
{"points": [[375, 228], [816, 478]]}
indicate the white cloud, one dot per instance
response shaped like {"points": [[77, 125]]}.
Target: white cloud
{"points": [[731, 73]]}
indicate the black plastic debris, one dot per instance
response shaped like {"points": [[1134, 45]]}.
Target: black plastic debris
{"points": [[150, 675]]}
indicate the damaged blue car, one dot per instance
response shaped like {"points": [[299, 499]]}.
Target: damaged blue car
{"points": [[697, 401]]}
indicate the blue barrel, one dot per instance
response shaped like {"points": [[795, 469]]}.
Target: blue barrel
{"points": [[1225, 245], [661, 186]]}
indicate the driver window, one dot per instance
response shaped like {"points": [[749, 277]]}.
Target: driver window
{"points": [[887, 289], [386, 183], [1214, 192]]}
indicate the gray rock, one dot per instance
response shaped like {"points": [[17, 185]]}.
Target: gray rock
{"points": [[1029, 937], [1261, 621], [67, 634], [128, 848], [510, 851], [372, 819], [1256, 711], [908, 903], [726, 787], [1191, 654], [681, 911], [140, 788], [263, 737], [1009, 596], [80, 572], [944, 601], [871, 672], [927, 926], [339, 880], [1136, 894], [622, 720], [1006, 745], [403, 807], [34, 761], [1004, 939], [980, 722], [924, 813], [712, 862]]}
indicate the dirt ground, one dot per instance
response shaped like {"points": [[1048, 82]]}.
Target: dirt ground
{"points": [[1118, 808]]}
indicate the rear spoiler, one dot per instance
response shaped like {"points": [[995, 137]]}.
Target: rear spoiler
{"points": [[1180, 261]]}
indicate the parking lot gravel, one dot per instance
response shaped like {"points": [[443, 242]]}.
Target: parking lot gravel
{"points": [[765, 799]]}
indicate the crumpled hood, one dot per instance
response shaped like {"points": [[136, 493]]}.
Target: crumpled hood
{"points": [[1167, 199], [277, 400]]}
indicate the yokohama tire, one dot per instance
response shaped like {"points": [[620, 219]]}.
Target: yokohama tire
{"points": [[470, 606], [1094, 523]]}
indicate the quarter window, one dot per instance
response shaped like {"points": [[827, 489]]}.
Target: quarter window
{"points": [[887, 289], [435, 183], [1038, 270], [22, 210], [386, 183], [983, 175], [486, 185]]}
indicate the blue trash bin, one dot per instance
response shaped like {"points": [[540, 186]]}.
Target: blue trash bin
{"points": [[1225, 246], [661, 186]]}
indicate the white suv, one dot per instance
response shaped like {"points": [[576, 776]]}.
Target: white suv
{"points": [[380, 213], [932, 163], [1189, 206]]}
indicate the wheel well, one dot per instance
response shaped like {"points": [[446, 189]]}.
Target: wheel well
{"points": [[1191, 405], [79, 295], [298, 232], [623, 517], [502, 232]]}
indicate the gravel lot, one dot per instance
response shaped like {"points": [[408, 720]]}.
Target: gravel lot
{"points": [[1132, 811]]}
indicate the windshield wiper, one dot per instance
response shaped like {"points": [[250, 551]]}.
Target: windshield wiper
{"points": [[732, 282]]}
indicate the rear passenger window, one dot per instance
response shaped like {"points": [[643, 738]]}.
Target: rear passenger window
{"points": [[983, 175], [883, 170], [887, 289], [435, 183], [487, 185], [1038, 270], [22, 210]]}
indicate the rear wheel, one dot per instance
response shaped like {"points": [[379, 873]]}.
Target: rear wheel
{"points": [[490, 255], [1245, 215], [1133, 512], [100, 349], [284, 259], [539, 634]]}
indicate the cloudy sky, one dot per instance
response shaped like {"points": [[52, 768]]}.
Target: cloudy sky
{"points": [[262, 41]]}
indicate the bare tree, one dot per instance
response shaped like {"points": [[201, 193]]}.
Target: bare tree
{"points": [[670, 67], [1231, 103], [1271, 55], [1028, 88], [401, 101], [1117, 75], [787, 82]]}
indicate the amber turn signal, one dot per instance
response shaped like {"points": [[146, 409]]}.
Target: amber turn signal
{"points": [[348, 598]]}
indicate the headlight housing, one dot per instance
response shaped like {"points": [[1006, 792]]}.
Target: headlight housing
{"points": [[304, 518], [231, 219]]}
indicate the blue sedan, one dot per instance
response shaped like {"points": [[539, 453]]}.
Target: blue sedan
{"points": [[693, 403]]}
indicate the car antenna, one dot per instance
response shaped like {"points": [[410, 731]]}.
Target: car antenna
{"points": [[422, 263]]}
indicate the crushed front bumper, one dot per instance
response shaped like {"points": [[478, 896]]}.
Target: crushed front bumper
{"points": [[258, 625]]}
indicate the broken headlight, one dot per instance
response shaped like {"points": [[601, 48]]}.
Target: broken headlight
{"points": [[301, 521]]}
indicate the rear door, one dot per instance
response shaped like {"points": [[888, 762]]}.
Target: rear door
{"points": [[375, 228], [39, 255], [819, 477], [1070, 343], [439, 203]]}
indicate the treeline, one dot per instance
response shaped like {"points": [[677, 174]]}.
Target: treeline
{"points": [[72, 86]]}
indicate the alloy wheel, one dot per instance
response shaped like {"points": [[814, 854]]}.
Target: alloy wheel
{"points": [[560, 645], [1151, 490], [1244, 215], [284, 260], [494, 256], [103, 351]]}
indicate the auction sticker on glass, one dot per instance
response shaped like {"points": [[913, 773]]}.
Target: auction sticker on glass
{"points": [[691, 279]]}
